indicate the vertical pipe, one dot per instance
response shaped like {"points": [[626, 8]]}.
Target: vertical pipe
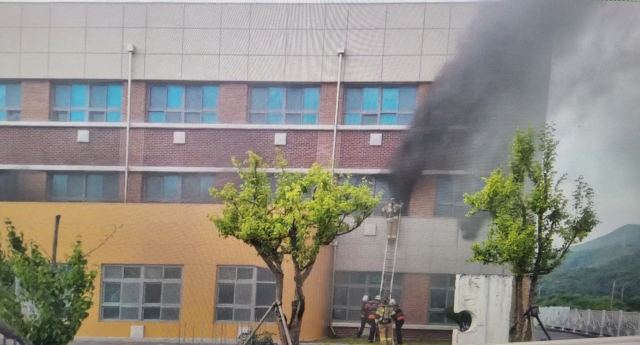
{"points": [[126, 153], [620, 322], [395, 254], [54, 252], [335, 120]]}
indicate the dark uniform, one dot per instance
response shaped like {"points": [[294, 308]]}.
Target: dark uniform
{"points": [[363, 317], [398, 317], [372, 306]]}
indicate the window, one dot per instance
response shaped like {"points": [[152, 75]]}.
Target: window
{"points": [[288, 105], [380, 106], [441, 297], [84, 186], [349, 287], [87, 102], [188, 104], [244, 293], [8, 185], [380, 183], [450, 194], [10, 102], [141, 292], [178, 188]]}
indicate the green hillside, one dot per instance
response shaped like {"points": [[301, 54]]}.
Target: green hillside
{"points": [[591, 268]]}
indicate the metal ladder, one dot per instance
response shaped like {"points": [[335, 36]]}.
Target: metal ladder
{"points": [[389, 265]]}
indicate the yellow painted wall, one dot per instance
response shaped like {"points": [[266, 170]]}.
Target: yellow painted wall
{"points": [[163, 234]]}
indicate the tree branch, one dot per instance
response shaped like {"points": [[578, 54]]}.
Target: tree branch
{"points": [[105, 240]]}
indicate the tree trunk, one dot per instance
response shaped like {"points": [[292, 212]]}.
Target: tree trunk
{"points": [[518, 325], [533, 291], [279, 320], [297, 309]]}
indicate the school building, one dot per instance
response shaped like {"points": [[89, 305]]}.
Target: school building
{"points": [[120, 116]]}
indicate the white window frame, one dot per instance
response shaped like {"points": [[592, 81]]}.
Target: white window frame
{"points": [[140, 305], [254, 281]]}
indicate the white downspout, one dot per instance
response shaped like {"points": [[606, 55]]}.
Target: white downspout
{"points": [[335, 120], [130, 50]]}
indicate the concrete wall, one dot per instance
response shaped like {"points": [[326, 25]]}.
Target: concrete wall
{"points": [[235, 42], [425, 245]]}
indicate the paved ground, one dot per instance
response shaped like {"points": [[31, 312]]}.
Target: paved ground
{"points": [[556, 335]]}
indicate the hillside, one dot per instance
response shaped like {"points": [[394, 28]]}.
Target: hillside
{"points": [[592, 267]]}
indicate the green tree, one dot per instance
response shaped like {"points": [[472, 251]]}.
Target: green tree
{"points": [[45, 303], [306, 211], [532, 223]]}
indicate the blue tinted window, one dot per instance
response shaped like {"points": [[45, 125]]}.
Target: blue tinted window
{"points": [[209, 118], [94, 187], [352, 119], [354, 99], [78, 96], [174, 97], [59, 186], [259, 98], [171, 187], [404, 119], [3, 95], [370, 98], [274, 118], [210, 95], [275, 98], [312, 98], [390, 99], [3, 115], [158, 97], [295, 99], [98, 96], [78, 116], [63, 96], [309, 119], [14, 96], [388, 119], [407, 98], [115, 96], [206, 182], [114, 116], [193, 98], [445, 189], [156, 116]]}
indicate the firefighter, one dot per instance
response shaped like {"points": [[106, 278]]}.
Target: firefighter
{"points": [[364, 317], [398, 317], [372, 307], [385, 328]]}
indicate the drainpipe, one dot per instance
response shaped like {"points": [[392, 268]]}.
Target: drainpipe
{"points": [[130, 50], [335, 120]]}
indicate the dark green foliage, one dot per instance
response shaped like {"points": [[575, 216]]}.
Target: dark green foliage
{"points": [[59, 295]]}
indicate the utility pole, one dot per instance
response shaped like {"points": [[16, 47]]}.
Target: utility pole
{"points": [[613, 289], [55, 241]]}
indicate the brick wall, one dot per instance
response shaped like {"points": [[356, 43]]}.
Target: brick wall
{"points": [[233, 103], [24, 145], [35, 100], [328, 104], [216, 147], [138, 101], [355, 151], [423, 197], [423, 89], [134, 193], [415, 294], [32, 185]]}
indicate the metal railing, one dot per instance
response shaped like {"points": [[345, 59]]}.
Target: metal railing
{"points": [[593, 322]]}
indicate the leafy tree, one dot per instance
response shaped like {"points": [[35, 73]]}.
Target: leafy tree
{"points": [[51, 301], [306, 212], [532, 224]]}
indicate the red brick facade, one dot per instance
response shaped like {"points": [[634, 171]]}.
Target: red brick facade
{"points": [[138, 101], [36, 95], [32, 185], [233, 103], [415, 289], [355, 151], [423, 198]]}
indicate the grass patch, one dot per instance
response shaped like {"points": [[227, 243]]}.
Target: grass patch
{"points": [[363, 340]]}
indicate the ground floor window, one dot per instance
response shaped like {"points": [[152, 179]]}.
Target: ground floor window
{"points": [[244, 293], [136, 292], [442, 289], [350, 287]]}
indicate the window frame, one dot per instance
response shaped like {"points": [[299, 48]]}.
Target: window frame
{"points": [[10, 112], [142, 280], [85, 175], [449, 290], [283, 112], [252, 306], [455, 182], [183, 110], [87, 109], [398, 284], [379, 111], [9, 185], [180, 200]]}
